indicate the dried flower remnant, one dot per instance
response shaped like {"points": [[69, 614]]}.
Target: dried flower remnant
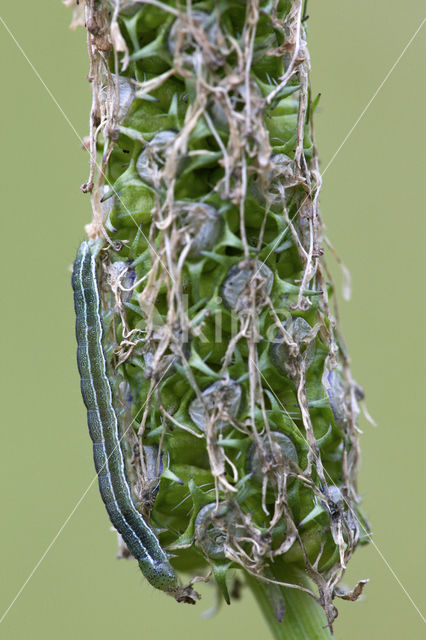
{"points": [[221, 316]]}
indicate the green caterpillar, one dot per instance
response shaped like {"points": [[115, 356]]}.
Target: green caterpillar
{"points": [[103, 428]]}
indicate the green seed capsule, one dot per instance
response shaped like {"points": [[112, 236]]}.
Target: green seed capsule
{"points": [[335, 501], [209, 535], [276, 455], [219, 401], [295, 346], [127, 95], [184, 36], [151, 160], [338, 395], [239, 278], [200, 223]]}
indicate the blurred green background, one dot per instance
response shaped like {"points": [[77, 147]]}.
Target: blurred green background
{"points": [[373, 204]]}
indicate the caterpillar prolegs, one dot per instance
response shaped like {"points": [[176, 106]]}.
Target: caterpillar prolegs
{"points": [[104, 432]]}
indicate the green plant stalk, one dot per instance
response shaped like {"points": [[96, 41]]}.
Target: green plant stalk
{"points": [[304, 618], [237, 409]]}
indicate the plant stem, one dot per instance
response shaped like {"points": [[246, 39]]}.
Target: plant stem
{"points": [[303, 619]]}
